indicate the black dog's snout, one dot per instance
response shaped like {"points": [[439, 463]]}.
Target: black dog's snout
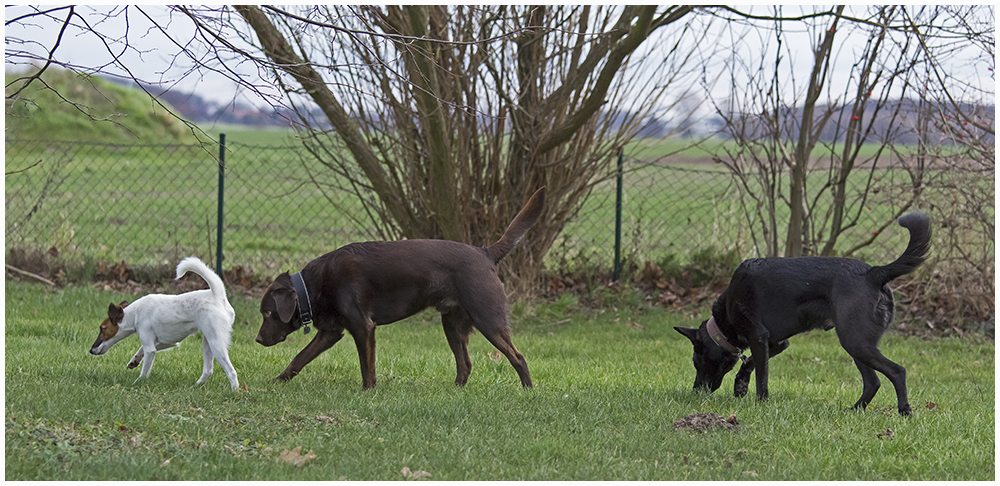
{"points": [[259, 339]]}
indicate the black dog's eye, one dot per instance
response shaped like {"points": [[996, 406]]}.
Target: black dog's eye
{"points": [[267, 313]]}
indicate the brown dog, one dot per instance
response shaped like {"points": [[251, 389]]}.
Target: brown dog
{"points": [[363, 285]]}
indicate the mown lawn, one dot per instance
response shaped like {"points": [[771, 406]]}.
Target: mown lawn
{"points": [[608, 387]]}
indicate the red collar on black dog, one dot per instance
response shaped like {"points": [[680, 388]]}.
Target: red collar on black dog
{"points": [[719, 338]]}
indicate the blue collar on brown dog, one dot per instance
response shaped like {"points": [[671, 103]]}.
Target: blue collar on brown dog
{"points": [[716, 334], [305, 307]]}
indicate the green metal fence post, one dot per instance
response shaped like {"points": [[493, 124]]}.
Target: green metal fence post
{"points": [[618, 218], [222, 185]]}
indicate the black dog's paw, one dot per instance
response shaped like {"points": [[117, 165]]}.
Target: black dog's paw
{"points": [[282, 377], [741, 388]]}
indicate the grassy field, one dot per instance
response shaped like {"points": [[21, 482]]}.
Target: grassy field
{"points": [[155, 205], [608, 387]]}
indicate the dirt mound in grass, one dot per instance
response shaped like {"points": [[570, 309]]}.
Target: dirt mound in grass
{"points": [[703, 422]]}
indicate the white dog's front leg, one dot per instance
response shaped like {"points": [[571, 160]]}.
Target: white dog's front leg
{"points": [[147, 362], [136, 358], [206, 368]]}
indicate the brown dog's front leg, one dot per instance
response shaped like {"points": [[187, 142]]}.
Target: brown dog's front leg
{"points": [[323, 341]]}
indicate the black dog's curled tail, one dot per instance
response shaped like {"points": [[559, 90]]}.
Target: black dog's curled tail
{"points": [[524, 220], [920, 241]]}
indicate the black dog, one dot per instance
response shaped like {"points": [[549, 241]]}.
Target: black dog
{"points": [[363, 285], [772, 299]]}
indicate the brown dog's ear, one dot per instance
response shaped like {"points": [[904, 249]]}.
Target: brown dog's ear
{"points": [[285, 301], [689, 332]]}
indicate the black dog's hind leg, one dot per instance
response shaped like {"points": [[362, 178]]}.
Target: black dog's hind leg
{"points": [[742, 384], [871, 385], [896, 374], [869, 359]]}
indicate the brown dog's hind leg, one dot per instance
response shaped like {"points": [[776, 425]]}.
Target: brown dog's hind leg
{"points": [[500, 338], [323, 341], [457, 325], [364, 339]]}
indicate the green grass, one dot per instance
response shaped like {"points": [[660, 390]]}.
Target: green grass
{"points": [[157, 204], [120, 114], [679, 211], [605, 398]]}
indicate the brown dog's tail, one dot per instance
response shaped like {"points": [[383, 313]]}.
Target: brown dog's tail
{"points": [[524, 220], [920, 238]]}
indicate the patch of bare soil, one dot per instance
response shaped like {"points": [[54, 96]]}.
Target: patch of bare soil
{"points": [[703, 422]]}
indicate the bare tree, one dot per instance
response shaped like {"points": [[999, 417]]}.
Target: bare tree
{"points": [[445, 119], [957, 123], [777, 127]]}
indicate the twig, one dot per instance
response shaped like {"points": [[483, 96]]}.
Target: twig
{"points": [[24, 169], [22, 272]]}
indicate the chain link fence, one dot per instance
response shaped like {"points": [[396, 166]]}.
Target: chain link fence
{"points": [[155, 204]]}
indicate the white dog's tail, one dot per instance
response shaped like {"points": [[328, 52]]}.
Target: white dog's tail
{"points": [[193, 264]]}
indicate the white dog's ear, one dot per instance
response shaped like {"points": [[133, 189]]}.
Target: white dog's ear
{"points": [[285, 301]]}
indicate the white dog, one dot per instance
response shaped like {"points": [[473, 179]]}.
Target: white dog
{"points": [[163, 321]]}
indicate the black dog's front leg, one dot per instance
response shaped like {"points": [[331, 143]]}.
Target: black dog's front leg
{"points": [[323, 341], [742, 385]]}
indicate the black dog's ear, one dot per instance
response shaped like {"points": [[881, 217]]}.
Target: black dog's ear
{"points": [[689, 332], [123, 304], [115, 312], [285, 301]]}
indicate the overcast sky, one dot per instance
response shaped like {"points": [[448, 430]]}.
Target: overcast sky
{"points": [[153, 59]]}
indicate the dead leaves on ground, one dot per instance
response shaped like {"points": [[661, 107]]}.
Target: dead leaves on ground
{"points": [[418, 474], [702, 422], [295, 456]]}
